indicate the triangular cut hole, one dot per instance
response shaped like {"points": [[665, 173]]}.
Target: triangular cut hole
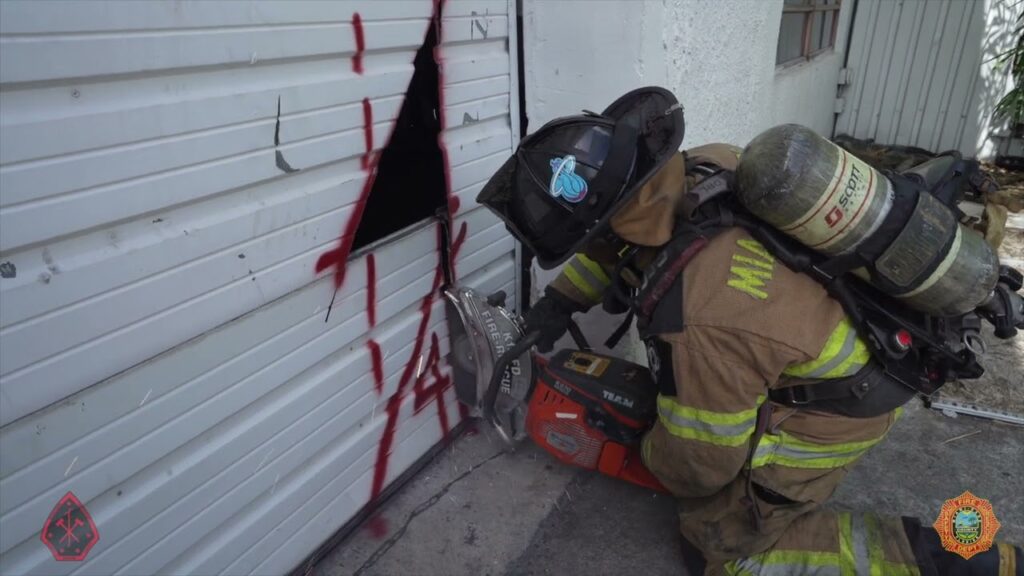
{"points": [[410, 181]]}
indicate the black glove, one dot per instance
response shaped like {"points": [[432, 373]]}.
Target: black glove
{"points": [[550, 316]]}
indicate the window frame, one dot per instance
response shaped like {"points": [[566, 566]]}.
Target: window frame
{"points": [[810, 8]]}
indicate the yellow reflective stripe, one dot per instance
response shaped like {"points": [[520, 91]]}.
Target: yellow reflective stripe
{"points": [[594, 268], [843, 355], [847, 562], [890, 529], [874, 545], [832, 347], [854, 362], [1007, 559], [786, 562], [876, 552], [712, 417], [787, 450], [719, 428], [580, 284]]}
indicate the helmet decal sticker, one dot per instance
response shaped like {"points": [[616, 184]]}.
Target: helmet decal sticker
{"points": [[564, 180]]}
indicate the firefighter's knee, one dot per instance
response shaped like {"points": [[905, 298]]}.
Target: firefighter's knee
{"points": [[687, 467]]}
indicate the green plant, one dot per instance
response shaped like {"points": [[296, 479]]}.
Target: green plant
{"points": [[1011, 106]]}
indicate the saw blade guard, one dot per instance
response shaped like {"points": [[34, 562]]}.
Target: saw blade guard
{"points": [[481, 331]]}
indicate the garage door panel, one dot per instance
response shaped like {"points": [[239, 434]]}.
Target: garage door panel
{"points": [[194, 374], [169, 180], [148, 447], [21, 17], [185, 413], [91, 265], [46, 122], [75, 56], [335, 420]]}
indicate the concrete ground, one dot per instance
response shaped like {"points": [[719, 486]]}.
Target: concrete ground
{"points": [[477, 509]]}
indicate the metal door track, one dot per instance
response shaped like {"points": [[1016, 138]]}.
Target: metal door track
{"points": [[953, 408]]}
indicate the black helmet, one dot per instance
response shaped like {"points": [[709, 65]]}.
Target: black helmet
{"points": [[561, 187]]}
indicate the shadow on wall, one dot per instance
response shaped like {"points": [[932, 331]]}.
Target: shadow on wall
{"points": [[999, 20]]}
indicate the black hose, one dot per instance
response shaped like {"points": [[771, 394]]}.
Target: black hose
{"points": [[500, 366]]}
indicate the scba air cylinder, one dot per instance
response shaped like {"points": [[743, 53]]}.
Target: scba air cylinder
{"points": [[831, 201]]}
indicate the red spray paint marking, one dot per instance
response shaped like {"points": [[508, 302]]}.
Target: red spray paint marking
{"points": [[453, 254], [395, 401], [378, 526], [371, 289], [453, 200], [367, 159], [424, 394], [357, 58], [378, 365], [338, 257], [421, 391]]}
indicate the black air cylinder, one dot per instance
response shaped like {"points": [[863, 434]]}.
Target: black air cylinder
{"points": [[831, 201]]}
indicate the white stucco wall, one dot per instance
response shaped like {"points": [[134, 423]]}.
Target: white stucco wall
{"points": [[718, 56]]}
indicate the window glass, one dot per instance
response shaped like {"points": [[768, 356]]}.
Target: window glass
{"points": [[790, 37], [817, 27], [806, 28]]}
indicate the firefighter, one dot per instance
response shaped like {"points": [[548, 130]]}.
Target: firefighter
{"points": [[750, 467]]}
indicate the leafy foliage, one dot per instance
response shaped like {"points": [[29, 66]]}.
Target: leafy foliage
{"points": [[1011, 106]]}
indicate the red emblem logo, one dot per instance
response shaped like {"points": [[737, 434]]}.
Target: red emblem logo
{"points": [[834, 216], [967, 525], [69, 532]]}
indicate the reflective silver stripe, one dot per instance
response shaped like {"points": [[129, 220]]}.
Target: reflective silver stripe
{"points": [[776, 449], [860, 544], [741, 429], [751, 565], [786, 450], [844, 352]]}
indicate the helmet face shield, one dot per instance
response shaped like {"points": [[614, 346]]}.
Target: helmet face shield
{"points": [[555, 180], [564, 181]]}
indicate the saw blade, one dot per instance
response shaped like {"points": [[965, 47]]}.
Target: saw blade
{"points": [[462, 354]]}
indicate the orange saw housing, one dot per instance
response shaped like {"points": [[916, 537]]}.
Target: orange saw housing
{"points": [[590, 410]]}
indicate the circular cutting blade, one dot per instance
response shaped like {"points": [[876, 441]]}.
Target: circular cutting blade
{"points": [[462, 354]]}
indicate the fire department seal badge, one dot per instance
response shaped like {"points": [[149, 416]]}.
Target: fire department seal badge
{"points": [[69, 532], [967, 525]]}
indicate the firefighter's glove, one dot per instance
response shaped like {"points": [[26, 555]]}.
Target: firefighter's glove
{"points": [[550, 316]]}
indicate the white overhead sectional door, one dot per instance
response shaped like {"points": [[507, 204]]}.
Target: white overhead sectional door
{"points": [[170, 175]]}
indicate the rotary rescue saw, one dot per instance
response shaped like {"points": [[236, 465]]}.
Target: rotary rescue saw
{"points": [[586, 409]]}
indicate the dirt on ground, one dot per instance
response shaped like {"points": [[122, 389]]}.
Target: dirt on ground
{"points": [[1002, 385], [1011, 187]]}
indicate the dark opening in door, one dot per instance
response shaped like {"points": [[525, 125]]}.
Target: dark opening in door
{"points": [[410, 182]]}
